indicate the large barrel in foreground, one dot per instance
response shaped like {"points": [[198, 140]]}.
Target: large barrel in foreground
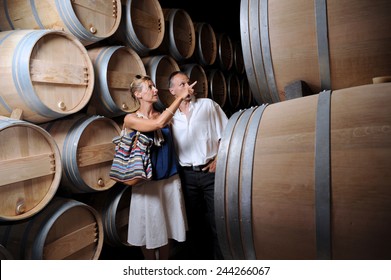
{"points": [[295, 180]]}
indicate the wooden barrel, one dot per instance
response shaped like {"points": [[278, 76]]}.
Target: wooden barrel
{"points": [[295, 180], [86, 151], [327, 44], [197, 73], [142, 26], [5, 254], [65, 230], [179, 37], [238, 60], [88, 21], [30, 169], [113, 206], [205, 52], [246, 97], [225, 52], [159, 68], [45, 73], [115, 68], [233, 91], [217, 86]]}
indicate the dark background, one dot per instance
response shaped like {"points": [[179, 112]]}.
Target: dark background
{"points": [[222, 15]]}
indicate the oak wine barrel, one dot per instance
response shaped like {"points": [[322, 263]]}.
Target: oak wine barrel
{"points": [[179, 37], [217, 86], [142, 26], [65, 230], [87, 151], [225, 52], [88, 21], [205, 52], [115, 68], [30, 169], [233, 91], [45, 73], [246, 96], [308, 178], [113, 206]]}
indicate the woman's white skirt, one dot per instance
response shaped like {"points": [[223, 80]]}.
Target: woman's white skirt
{"points": [[157, 213]]}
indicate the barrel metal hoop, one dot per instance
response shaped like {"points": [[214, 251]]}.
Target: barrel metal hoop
{"points": [[101, 66], [7, 15], [323, 177], [265, 42], [323, 43], [233, 184], [247, 168], [220, 181], [69, 18], [35, 14], [69, 152]]}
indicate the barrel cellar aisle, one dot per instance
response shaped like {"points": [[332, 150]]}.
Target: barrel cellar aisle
{"points": [[303, 167]]}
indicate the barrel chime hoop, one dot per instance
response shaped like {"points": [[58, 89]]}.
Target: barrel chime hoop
{"points": [[246, 184], [323, 44], [220, 181], [323, 177], [232, 186], [266, 50]]}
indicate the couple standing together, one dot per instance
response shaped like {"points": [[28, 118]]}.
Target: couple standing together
{"points": [[179, 203]]}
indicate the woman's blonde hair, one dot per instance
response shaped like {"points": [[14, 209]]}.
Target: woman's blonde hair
{"points": [[137, 83]]}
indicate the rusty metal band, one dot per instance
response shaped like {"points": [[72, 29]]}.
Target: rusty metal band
{"points": [[323, 44], [323, 177]]}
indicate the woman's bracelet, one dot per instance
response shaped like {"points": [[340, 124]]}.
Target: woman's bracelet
{"points": [[169, 111]]}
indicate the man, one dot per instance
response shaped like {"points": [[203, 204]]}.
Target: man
{"points": [[197, 128]]}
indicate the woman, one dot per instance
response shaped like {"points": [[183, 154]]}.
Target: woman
{"points": [[157, 212]]}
